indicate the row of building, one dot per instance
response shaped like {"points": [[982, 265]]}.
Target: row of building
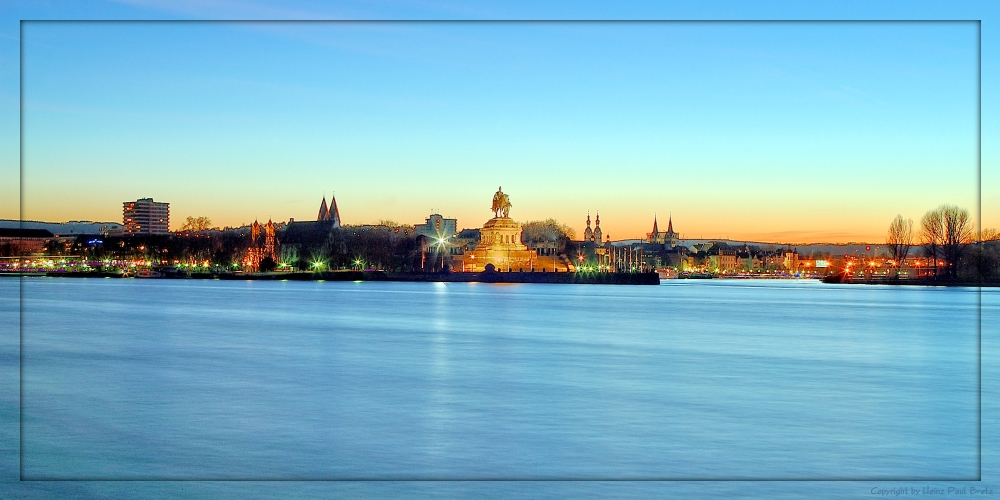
{"points": [[499, 244]]}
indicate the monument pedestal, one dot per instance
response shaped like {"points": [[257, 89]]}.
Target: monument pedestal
{"points": [[500, 245]]}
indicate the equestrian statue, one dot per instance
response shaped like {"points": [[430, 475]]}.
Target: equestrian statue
{"points": [[501, 203]]}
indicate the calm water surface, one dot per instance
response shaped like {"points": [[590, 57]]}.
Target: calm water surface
{"points": [[164, 379]]}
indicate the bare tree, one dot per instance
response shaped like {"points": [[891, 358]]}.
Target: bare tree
{"points": [[989, 234], [958, 233], [900, 239], [946, 231], [546, 230], [932, 235], [195, 224]]}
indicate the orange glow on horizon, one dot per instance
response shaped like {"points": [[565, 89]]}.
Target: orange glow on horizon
{"points": [[621, 220]]}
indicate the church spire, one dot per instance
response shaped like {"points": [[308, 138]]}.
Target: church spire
{"points": [[254, 230], [324, 214], [655, 230], [334, 213], [670, 224]]}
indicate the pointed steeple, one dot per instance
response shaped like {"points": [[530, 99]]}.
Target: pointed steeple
{"points": [[255, 230], [597, 228], [670, 224], [324, 214], [588, 234], [334, 213], [656, 231]]}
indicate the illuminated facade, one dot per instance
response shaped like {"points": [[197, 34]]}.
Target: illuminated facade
{"points": [[25, 241], [595, 254], [263, 244], [145, 216], [500, 245], [723, 262], [437, 227]]}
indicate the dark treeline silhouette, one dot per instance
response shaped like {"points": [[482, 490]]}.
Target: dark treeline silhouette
{"points": [[948, 240], [313, 247]]}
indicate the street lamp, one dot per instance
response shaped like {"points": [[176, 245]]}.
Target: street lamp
{"points": [[441, 242]]}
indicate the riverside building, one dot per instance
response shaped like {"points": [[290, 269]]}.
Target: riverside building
{"points": [[145, 216], [437, 227]]}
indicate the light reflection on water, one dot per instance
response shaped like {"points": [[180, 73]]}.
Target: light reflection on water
{"points": [[688, 380]]}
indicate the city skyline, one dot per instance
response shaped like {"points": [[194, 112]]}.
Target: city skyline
{"points": [[175, 225], [780, 333], [798, 132]]}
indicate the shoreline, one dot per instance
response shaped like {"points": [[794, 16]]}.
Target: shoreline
{"points": [[566, 278], [484, 277]]}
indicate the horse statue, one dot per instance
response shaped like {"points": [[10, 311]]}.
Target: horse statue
{"points": [[501, 203]]}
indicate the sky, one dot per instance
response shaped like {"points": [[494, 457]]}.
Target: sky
{"points": [[770, 131]]}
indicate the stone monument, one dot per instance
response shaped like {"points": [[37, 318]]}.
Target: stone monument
{"points": [[500, 242]]}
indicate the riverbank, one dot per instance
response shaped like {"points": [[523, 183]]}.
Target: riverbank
{"points": [[484, 277], [458, 277], [455, 277], [840, 279]]}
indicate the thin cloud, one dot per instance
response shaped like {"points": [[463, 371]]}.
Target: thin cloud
{"points": [[232, 9]]}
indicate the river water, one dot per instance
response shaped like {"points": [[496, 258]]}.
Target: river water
{"points": [[694, 380]]}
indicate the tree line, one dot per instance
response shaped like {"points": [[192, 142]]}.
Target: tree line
{"points": [[948, 239]]}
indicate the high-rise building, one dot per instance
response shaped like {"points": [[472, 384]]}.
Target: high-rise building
{"points": [[145, 216], [437, 227]]}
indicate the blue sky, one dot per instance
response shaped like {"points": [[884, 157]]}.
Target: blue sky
{"points": [[779, 131]]}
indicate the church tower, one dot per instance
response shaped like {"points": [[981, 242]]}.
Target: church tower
{"points": [[324, 213], [334, 214], [597, 229], [671, 238], [588, 234], [654, 236], [254, 231], [331, 213], [270, 241]]}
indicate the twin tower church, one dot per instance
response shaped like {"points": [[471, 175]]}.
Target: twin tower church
{"points": [[595, 235], [329, 213], [668, 238]]}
